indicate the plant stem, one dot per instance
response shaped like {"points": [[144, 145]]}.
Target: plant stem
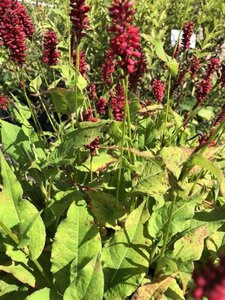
{"points": [[168, 226], [167, 108], [76, 88]]}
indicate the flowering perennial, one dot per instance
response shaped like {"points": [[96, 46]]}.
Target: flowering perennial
{"points": [[118, 103], [50, 54], [3, 102], [101, 105], [195, 64], [186, 37], [79, 20], [205, 85], [15, 26], [210, 282], [158, 89], [125, 46]]}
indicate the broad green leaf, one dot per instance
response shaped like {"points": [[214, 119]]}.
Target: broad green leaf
{"points": [[160, 52], [153, 180], [20, 272], [200, 160], [44, 294], [56, 209], [16, 143], [64, 99], [125, 257], [89, 284], [182, 214], [35, 84], [20, 111], [103, 206], [11, 289], [78, 239], [153, 290], [10, 196], [173, 66], [66, 151], [206, 113], [32, 229]]}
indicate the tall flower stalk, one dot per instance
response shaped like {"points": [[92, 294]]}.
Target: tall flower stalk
{"points": [[79, 23]]}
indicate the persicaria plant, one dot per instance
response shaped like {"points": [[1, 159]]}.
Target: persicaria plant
{"points": [[112, 151]]}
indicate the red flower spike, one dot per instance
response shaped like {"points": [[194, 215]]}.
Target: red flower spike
{"points": [[108, 67], [187, 33], [15, 26], [212, 67], [50, 54], [203, 90], [101, 105], [210, 282], [92, 91], [3, 103], [79, 20], [158, 89], [141, 68], [195, 64], [126, 40], [118, 103]]}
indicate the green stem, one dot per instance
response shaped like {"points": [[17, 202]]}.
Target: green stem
{"points": [[168, 226], [76, 88], [167, 108]]}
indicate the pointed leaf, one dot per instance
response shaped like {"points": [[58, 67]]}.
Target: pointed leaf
{"points": [[125, 257], [78, 239], [89, 284], [44, 294]]}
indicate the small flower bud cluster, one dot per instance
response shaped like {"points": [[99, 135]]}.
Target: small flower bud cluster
{"points": [[101, 105], [195, 64], [205, 85], [3, 103], [50, 55], [187, 33], [118, 103], [92, 91], [210, 283], [108, 67], [158, 89]]}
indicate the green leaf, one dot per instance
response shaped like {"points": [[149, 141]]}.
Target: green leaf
{"points": [[206, 113], [64, 99], [153, 180], [16, 143], [126, 257], [20, 111], [32, 229], [45, 294], [153, 290], [20, 272], [103, 207], [182, 214], [35, 84], [10, 196], [200, 160], [78, 239], [9, 289], [56, 209], [66, 151], [89, 284], [160, 52]]}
